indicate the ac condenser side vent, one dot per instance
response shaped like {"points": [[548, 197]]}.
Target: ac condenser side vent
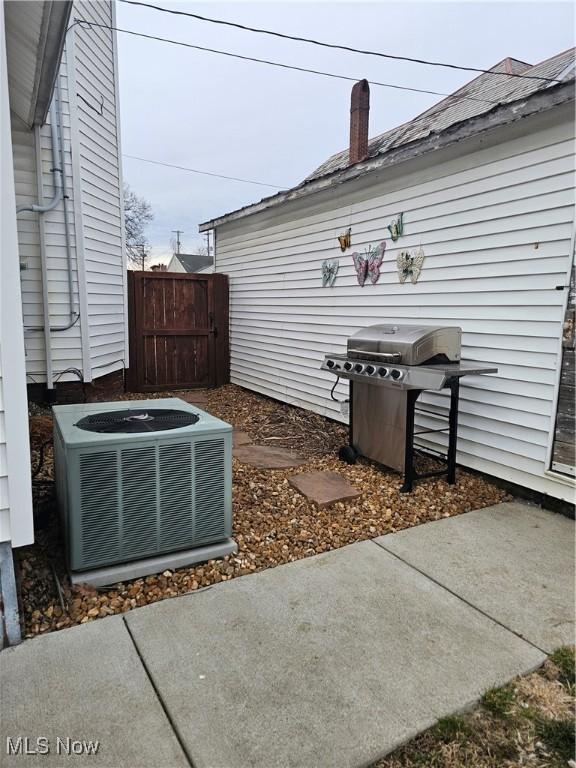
{"points": [[176, 495], [100, 524], [209, 489], [138, 510]]}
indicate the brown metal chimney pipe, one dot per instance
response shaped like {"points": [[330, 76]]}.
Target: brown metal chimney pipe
{"points": [[359, 114]]}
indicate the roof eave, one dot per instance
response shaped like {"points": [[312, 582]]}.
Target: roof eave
{"points": [[500, 115], [55, 24]]}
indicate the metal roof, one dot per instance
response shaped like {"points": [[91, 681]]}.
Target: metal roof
{"points": [[484, 102], [475, 98]]}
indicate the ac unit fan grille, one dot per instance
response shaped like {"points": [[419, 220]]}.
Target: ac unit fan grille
{"points": [[136, 420]]}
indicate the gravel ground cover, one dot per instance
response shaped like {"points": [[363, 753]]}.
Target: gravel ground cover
{"points": [[529, 722], [273, 523]]}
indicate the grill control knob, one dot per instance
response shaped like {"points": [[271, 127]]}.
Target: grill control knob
{"points": [[396, 374], [358, 368], [347, 366], [382, 371], [370, 370], [330, 363]]}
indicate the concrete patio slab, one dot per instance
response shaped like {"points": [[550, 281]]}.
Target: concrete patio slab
{"points": [[513, 561], [324, 488], [240, 438], [84, 684], [263, 457], [330, 661]]}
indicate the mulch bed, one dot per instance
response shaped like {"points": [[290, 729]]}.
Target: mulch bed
{"points": [[273, 523]]}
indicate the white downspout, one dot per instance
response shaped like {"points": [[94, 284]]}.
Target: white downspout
{"points": [[60, 194], [56, 170], [43, 264]]}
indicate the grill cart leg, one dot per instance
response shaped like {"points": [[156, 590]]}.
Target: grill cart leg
{"points": [[453, 433], [409, 471], [348, 453]]}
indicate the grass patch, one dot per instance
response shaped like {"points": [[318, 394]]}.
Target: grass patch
{"points": [[452, 728], [566, 662], [528, 722], [558, 735], [499, 701]]}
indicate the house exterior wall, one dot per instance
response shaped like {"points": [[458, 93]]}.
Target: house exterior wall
{"points": [[175, 266], [98, 148], [495, 217], [15, 491], [97, 343]]}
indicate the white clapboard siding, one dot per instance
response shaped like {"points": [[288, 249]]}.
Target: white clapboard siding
{"points": [[93, 182], [101, 187], [4, 491], [27, 191], [496, 227], [16, 522]]}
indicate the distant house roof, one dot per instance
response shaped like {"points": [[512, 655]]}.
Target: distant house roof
{"points": [[193, 262], [484, 95]]}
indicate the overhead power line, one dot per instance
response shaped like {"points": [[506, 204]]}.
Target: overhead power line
{"points": [[274, 63], [203, 173], [337, 46]]}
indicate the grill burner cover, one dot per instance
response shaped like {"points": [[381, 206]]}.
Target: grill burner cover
{"points": [[137, 420]]}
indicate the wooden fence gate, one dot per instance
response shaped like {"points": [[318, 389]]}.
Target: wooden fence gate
{"points": [[179, 335]]}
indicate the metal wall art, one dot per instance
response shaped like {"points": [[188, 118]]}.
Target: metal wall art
{"points": [[396, 227], [329, 272], [410, 265], [345, 239], [367, 265]]}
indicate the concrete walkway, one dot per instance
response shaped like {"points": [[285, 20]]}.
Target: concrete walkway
{"points": [[329, 662]]}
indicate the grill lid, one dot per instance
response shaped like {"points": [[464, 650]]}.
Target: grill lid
{"points": [[406, 344]]}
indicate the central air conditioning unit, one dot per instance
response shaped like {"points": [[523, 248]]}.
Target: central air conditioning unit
{"points": [[142, 486]]}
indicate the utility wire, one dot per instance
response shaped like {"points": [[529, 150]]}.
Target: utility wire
{"points": [[203, 173], [272, 63], [348, 48]]}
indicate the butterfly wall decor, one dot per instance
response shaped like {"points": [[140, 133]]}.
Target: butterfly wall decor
{"points": [[345, 239], [367, 264], [329, 272], [396, 227], [410, 265]]}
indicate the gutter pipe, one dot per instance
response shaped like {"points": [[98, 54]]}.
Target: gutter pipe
{"points": [[60, 194], [56, 170]]}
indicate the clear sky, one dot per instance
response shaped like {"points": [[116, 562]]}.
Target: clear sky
{"points": [[252, 121]]}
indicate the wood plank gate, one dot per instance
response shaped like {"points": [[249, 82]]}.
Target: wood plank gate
{"points": [[179, 333]]}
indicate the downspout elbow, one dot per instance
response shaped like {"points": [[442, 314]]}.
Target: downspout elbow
{"points": [[56, 169]]}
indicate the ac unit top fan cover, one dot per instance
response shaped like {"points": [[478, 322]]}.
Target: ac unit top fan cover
{"points": [[92, 424]]}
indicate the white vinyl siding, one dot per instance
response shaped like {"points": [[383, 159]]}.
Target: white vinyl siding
{"points": [[496, 227], [30, 181], [96, 343], [16, 523], [101, 189]]}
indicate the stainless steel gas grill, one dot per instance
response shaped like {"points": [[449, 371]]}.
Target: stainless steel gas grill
{"points": [[389, 366]]}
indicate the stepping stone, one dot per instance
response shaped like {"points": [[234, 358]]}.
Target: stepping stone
{"points": [[324, 488], [240, 438], [263, 457]]}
